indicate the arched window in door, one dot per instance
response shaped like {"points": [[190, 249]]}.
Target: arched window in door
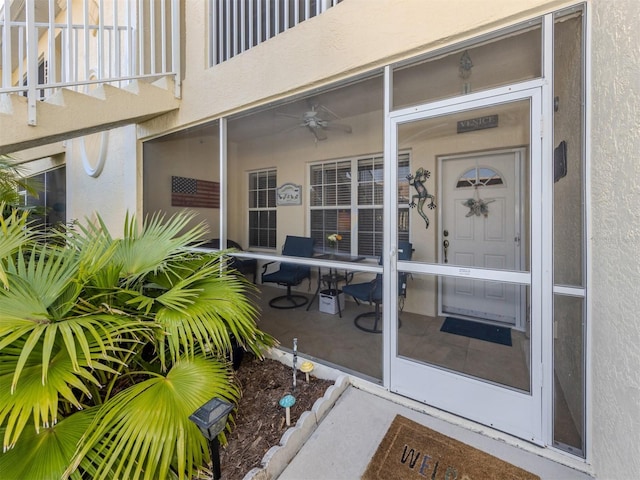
{"points": [[479, 177]]}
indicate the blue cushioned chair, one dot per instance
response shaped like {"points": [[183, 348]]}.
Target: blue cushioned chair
{"points": [[290, 274], [245, 266], [372, 292]]}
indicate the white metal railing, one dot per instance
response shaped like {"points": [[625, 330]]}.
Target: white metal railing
{"points": [[50, 44], [238, 25]]}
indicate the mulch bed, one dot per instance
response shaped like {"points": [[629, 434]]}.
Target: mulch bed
{"points": [[259, 420]]}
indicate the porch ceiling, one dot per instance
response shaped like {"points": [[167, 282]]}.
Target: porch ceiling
{"points": [[345, 101]]}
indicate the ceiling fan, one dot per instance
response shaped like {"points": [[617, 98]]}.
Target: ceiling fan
{"points": [[318, 120]]}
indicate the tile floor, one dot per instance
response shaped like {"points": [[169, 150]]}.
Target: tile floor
{"points": [[337, 342]]}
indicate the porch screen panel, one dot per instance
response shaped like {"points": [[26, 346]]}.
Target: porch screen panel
{"points": [[568, 374], [569, 246], [508, 58], [568, 187], [488, 352]]}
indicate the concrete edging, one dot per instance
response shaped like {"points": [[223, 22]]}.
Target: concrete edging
{"points": [[279, 456]]}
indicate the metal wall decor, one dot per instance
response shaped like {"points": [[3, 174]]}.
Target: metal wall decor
{"points": [[477, 206], [464, 71], [465, 66], [418, 182]]}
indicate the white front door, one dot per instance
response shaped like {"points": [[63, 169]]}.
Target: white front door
{"points": [[481, 226], [486, 275]]}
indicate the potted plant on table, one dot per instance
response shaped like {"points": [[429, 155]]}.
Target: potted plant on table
{"points": [[333, 239]]}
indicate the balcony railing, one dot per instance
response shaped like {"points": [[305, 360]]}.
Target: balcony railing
{"points": [[238, 25], [78, 44]]}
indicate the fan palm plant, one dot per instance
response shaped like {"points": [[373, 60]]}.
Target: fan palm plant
{"points": [[107, 345], [11, 182]]}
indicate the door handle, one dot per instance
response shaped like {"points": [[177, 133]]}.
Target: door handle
{"points": [[445, 244]]}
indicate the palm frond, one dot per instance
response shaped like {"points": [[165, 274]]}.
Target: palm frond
{"points": [[77, 319], [35, 400], [145, 431], [147, 250], [15, 234], [38, 284], [45, 454], [12, 180], [50, 273], [207, 309]]}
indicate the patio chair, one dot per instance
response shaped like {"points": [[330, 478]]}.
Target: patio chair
{"points": [[290, 274], [372, 292], [245, 266]]}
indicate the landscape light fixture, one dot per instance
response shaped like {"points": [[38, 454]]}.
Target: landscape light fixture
{"points": [[211, 419]]}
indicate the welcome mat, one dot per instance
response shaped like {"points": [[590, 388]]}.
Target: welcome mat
{"points": [[411, 451], [480, 331]]}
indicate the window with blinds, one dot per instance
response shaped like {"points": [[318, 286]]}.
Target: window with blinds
{"points": [[347, 198], [262, 209]]}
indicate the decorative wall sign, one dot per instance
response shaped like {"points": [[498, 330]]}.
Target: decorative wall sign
{"points": [[194, 193], [422, 194], [289, 194], [480, 123]]}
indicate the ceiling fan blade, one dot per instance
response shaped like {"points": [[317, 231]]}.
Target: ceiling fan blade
{"points": [[339, 126], [290, 129], [326, 109], [288, 115], [319, 133]]}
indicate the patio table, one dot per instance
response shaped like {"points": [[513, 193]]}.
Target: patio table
{"points": [[334, 276]]}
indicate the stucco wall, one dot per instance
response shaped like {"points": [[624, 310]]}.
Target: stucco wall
{"points": [[114, 191], [615, 238]]}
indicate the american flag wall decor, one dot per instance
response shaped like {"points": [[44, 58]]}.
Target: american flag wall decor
{"points": [[191, 192]]}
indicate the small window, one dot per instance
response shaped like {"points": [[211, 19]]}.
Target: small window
{"points": [[262, 209], [50, 205], [479, 177]]}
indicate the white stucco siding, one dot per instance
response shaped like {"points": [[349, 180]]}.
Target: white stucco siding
{"points": [[615, 224], [114, 191]]}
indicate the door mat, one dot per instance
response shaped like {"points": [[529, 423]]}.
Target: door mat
{"points": [[411, 451], [480, 331]]}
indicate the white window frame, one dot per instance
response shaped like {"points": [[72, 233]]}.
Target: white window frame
{"points": [[354, 207], [267, 208]]}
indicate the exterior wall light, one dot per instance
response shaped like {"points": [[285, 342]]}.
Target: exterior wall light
{"points": [[211, 419]]}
